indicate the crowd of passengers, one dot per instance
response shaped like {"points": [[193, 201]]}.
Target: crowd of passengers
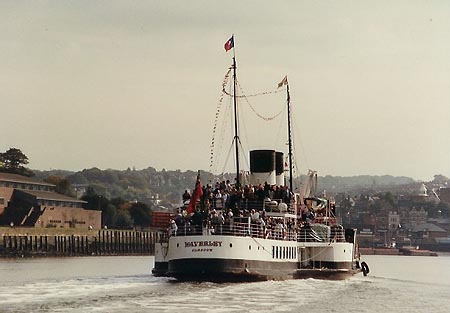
{"points": [[218, 206], [226, 196]]}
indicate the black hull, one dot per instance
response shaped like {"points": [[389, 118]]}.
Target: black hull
{"points": [[221, 270], [160, 269], [326, 274]]}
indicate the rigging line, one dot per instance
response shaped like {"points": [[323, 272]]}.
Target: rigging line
{"points": [[253, 109], [222, 135], [302, 148], [214, 159], [219, 105], [228, 156], [257, 94], [245, 158], [245, 132], [278, 136], [259, 244], [212, 147], [214, 143], [228, 111], [225, 81]]}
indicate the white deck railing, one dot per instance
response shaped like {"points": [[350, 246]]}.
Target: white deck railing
{"points": [[302, 234]]}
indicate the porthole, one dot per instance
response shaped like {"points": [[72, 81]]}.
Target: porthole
{"points": [[231, 245], [249, 247], [178, 245]]}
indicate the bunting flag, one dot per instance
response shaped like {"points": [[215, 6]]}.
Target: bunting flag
{"points": [[198, 192], [229, 44], [283, 82]]}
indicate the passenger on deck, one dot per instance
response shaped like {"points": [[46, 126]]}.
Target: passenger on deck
{"points": [[218, 200], [197, 221], [179, 220], [173, 227], [254, 216], [186, 195]]}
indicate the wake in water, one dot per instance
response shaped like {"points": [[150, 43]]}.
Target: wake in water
{"points": [[93, 285], [150, 294]]}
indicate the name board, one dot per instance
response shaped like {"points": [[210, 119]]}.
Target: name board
{"points": [[202, 246]]}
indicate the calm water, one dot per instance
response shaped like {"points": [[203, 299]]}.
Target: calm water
{"points": [[123, 284]]}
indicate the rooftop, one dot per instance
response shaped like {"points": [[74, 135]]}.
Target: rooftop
{"points": [[427, 227], [15, 178], [48, 195]]}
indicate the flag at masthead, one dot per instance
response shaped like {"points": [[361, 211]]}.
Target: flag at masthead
{"points": [[229, 44]]}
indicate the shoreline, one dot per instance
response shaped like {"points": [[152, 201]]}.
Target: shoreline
{"points": [[394, 251]]}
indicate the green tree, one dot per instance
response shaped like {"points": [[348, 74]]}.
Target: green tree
{"points": [[96, 202], [110, 218], [440, 179], [140, 213], [389, 198], [62, 185], [124, 219], [13, 161]]}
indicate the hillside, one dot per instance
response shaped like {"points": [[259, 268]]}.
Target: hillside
{"points": [[337, 184], [147, 184]]}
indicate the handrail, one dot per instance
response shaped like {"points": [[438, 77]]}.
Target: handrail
{"points": [[268, 205], [302, 234]]}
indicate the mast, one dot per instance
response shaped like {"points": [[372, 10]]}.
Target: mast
{"points": [[236, 133], [229, 44], [289, 138]]}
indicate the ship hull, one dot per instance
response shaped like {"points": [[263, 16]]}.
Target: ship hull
{"points": [[237, 259], [326, 274], [229, 270], [217, 270], [160, 269]]}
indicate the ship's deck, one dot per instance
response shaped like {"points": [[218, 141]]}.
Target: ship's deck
{"points": [[310, 233]]}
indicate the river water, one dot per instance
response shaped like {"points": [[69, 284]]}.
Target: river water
{"points": [[124, 284]]}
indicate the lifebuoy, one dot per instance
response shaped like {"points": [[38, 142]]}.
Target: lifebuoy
{"points": [[365, 268]]}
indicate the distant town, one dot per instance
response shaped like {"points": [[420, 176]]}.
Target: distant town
{"points": [[387, 211]]}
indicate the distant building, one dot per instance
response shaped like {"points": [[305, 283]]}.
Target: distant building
{"points": [[423, 192], [417, 217], [444, 194], [26, 201], [428, 231], [80, 189], [393, 220]]}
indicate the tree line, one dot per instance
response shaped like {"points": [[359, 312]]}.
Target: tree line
{"points": [[127, 197], [117, 212]]}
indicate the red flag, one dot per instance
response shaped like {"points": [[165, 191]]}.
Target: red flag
{"points": [[229, 44], [198, 192]]}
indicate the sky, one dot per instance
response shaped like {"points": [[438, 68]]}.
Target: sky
{"points": [[118, 84]]}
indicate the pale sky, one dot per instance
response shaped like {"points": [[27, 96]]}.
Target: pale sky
{"points": [[117, 84]]}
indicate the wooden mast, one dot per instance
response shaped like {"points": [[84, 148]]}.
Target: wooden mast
{"points": [[289, 138], [236, 130]]}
